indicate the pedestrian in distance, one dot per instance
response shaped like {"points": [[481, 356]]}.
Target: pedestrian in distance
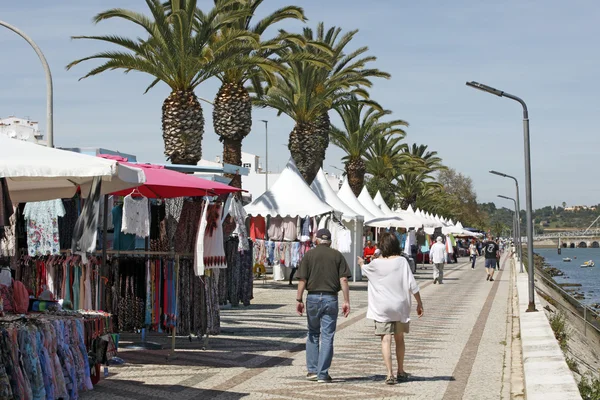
{"points": [[391, 284], [491, 253], [438, 256], [473, 253], [369, 251], [323, 273]]}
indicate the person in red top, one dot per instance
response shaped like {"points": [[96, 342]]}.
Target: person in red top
{"points": [[369, 251]]}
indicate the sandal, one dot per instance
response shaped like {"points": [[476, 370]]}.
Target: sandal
{"points": [[403, 377], [390, 380]]}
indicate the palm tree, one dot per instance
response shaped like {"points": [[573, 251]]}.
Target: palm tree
{"points": [[183, 48], [362, 128], [232, 112], [429, 158], [319, 77]]}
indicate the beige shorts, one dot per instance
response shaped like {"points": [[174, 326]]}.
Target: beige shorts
{"points": [[391, 328]]}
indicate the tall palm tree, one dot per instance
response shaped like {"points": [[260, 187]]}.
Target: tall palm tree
{"points": [[362, 128], [232, 112], [319, 77], [428, 158], [183, 48]]}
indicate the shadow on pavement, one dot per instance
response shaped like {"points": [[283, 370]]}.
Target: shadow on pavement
{"points": [[376, 378], [140, 391]]}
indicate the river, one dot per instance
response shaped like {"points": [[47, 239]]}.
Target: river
{"points": [[589, 278]]}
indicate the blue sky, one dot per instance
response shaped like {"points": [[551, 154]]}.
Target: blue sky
{"points": [[544, 51]]}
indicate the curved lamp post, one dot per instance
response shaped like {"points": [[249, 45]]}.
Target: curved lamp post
{"points": [[515, 219], [528, 201], [49, 89], [518, 231]]}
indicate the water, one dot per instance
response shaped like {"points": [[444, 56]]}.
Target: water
{"points": [[589, 278]]}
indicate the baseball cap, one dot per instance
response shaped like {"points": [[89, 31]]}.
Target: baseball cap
{"points": [[324, 234]]}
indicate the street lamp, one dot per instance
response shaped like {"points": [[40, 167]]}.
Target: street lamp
{"points": [[515, 220], [528, 201], [266, 154], [518, 231], [49, 89]]}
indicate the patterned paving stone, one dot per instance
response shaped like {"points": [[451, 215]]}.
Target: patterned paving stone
{"points": [[260, 354]]}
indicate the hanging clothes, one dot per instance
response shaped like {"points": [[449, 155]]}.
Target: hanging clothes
{"points": [[42, 226], [86, 227], [6, 207], [66, 223], [214, 251], [121, 241], [237, 212], [257, 228], [136, 218], [173, 208], [199, 254], [275, 230], [8, 243]]}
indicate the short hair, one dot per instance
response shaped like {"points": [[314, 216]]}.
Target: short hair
{"points": [[389, 245]]}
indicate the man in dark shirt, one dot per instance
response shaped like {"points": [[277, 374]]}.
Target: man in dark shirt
{"points": [[323, 272], [492, 252]]}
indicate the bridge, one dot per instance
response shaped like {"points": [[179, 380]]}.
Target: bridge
{"points": [[572, 239]]}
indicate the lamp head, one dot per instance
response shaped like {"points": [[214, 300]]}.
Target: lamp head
{"points": [[264, 120], [485, 88], [506, 197], [498, 173]]}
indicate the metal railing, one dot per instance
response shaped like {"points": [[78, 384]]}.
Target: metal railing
{"points": [[589, 317]]}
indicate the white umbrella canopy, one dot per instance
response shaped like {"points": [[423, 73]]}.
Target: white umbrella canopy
{"points": [[325, 192], [35, 173]]}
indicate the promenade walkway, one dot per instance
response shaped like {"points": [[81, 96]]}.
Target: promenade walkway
{"points": [[460, 349]]}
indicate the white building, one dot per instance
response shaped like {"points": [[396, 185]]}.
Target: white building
{"points": [[254, 183], [21, 128]]}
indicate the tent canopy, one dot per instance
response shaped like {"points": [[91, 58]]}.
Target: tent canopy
{"points": [[367, 202], [325, 192], [411, 220], [35, 173], [165, 184], [289, 196], [347, 196]]}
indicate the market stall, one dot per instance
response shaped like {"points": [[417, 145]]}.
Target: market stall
{"points": [[350, 219], [283, 220]]}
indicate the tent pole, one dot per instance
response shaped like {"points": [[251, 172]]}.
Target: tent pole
{"points": [[104, 241]]}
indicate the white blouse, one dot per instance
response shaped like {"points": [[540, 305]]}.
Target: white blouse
{"points": [[136, 217]]}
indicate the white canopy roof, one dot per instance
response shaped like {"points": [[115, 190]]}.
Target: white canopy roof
{"points": [[289, 196], [365, 199], [35, 173], [347, 196], [325, 192], [410, 218]]}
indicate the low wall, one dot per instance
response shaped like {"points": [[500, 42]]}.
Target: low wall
{"points": [[546, 374]]}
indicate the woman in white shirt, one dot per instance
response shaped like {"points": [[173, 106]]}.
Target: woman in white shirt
{"points": [[473, 253], [391, 284]]}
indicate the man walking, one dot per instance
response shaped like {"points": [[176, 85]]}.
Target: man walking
{"points": [[438, 256], [491, 252], [323, 273]]}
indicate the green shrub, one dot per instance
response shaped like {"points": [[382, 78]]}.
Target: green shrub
{"points": [[589, 388], [559, 326]]}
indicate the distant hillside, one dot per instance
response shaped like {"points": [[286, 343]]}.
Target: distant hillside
{"points": [[546, 218]]}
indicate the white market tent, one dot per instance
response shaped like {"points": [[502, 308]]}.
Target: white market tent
{"points": [[35, 173], [411, 220], [350, 219], [347, 196], [289, 196], [325, 192], [367, 202]]}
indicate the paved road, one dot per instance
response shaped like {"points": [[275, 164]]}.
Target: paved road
{"points": [[457, 350]]}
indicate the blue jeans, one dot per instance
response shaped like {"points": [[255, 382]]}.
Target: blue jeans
{"points": [[473, 259], [322, 312]]}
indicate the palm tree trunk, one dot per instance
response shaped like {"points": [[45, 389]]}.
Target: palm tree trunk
{"points": [[323, 127], [232, 154], [355, 169], [183, 127], [232, 121], [304, 145]]}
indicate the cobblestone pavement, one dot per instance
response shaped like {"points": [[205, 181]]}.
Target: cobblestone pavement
{"points": [[457, 350]]}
